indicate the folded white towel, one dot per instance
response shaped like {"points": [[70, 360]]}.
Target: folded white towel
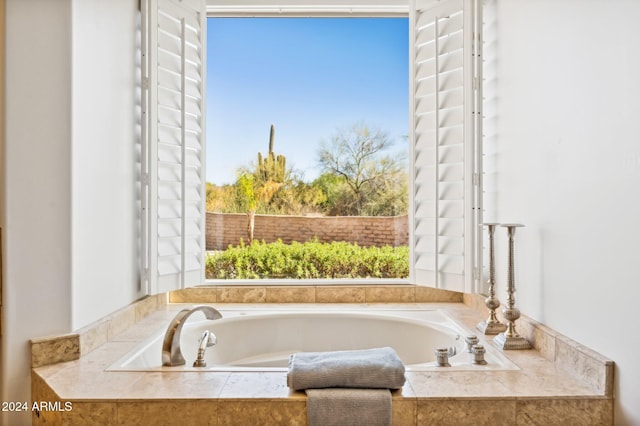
{"points": [[378, 368], [348, 407]]}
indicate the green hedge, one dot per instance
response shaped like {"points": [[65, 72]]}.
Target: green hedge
{"points": [[308, 260]]}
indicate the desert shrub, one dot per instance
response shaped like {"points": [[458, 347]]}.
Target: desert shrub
{"points": [[308, 260]]}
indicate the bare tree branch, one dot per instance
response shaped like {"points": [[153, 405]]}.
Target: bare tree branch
{"points": [[358, 154]]}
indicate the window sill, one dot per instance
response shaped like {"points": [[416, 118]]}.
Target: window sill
{"points": [[309, 282], [304, 292]]}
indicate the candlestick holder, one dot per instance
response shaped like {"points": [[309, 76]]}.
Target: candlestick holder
{"points": [[491, 325], [510, 339]]}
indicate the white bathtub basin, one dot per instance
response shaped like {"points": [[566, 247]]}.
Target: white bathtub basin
{"points": [[259, 340]]}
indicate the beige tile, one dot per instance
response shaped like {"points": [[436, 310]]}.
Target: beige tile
{"points": [[40, 391], [404, 411], [472, 412], [181, 296], [428, 295], [87, 383], [104, 356], [263, 398], [90, 413], [163, 299], [241, 294], [544, 379], [145, 328], [405, 392], [290, 294], [461, 384], [121, 320], [466, 317], [167, 412], [525, 358], [583, 412], [258, 412], [55, 349], [166, 385], [258, 385], [47, 371], [585, 364], [609, 379], [541, 338], [340, 294], [476, 302], [390, 294], [146, 305], [194, 295], [93, 336]]}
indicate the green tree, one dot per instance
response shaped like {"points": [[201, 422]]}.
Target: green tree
{"points": [[247, 196]]}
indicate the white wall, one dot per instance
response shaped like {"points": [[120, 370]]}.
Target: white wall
{"points": [[69, 204], [568, 166], [37, 228]]}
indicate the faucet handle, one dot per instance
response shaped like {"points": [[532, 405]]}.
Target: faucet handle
{"points": [[442, 357], [478, 355], [211, 339], [470, 341]]}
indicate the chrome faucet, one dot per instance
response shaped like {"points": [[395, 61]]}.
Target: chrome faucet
{"points": [[171, 353]]}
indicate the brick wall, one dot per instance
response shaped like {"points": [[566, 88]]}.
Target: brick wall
{"points": [[227, 228]]}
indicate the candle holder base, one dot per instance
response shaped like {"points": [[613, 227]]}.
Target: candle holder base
{"points": [[516, 342], [490, 328]]}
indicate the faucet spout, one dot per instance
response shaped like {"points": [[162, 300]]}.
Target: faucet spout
{"points": [[171, 352]]}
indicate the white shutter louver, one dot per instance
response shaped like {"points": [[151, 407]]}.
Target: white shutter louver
{"points": [[443, 143], [173, 106]]}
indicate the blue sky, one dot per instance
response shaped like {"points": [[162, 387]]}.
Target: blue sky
{"points": [[307, 76]]}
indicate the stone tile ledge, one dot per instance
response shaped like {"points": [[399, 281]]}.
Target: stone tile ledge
{"points": [[538, 393], [68, 347], [55, 349], [314, 294], [576, 359], [579, 361]]}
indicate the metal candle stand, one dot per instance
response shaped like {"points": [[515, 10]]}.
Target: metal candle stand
{"points": [[510, 339], [491, 325]]}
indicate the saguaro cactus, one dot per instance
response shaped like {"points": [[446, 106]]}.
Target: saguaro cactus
{"points": [[272, 136], [271, 168]]}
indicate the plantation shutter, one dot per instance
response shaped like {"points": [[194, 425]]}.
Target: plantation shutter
{"points": [[445, 193], [173, 159]]}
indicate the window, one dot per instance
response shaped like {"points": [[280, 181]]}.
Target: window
{"points": [[444, 139], [336, 91]]}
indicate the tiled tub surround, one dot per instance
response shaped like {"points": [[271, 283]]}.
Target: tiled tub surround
{"points": [[559, 382]]}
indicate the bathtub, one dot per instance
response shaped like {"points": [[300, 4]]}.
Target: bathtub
{"points": [[259, 339]]}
